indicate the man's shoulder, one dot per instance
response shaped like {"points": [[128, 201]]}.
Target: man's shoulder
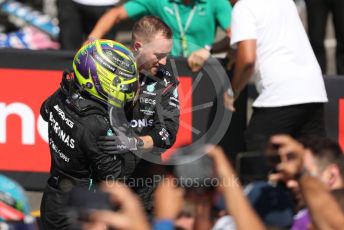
{"points": [[55, 96], [89, 113], [97, 123], [94, 125]]}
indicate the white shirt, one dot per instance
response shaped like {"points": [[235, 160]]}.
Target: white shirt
{"points": [[287, 72], [97, 2]]}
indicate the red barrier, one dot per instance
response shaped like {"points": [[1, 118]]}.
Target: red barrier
{"points": [[341, 123], [184, 135], [22, 131]]}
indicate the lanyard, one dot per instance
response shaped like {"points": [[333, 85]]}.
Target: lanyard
{"points": [[182, 30]]}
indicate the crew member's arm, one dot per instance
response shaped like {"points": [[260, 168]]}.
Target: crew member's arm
{"points": [[148, 142], [223, 44], [244, 39], [166, 120], [198, 58], [107, 21], [222, 14], [244, 67]]}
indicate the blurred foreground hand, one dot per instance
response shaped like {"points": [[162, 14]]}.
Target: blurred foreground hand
{"points": [[130, 215]]}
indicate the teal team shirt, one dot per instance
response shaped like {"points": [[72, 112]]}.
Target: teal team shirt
{"points": [[208, 15]]}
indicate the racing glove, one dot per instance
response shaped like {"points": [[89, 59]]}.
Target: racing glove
{"points": [[119, 144]]}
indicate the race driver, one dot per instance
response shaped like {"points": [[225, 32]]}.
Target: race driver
{"points": [[105, 76]]}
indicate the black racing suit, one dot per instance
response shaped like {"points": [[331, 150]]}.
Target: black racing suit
{"points": [[155, 114], [75, 123]]}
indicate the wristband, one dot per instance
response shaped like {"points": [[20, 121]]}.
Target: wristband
{"points": [[209, 48], [231, 93]]}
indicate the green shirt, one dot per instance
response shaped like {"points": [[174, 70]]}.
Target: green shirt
{"points": [[208, 14]]}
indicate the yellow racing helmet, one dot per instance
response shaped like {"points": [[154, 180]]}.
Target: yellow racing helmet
{"points": [[107, 70]]}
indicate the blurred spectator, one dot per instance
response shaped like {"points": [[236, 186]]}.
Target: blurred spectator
{"points": [[324, 160], [273, 203], [325, 211], [303, 219], [193, 23], [235, 200], [14, 206], [271, 42], [169, 199], [186, 217], [78, 17], [317, 15]]}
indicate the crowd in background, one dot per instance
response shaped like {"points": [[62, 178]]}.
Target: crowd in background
{"points": [[304, 192]]}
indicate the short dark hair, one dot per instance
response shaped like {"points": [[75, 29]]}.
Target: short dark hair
{"points": [[148, 26], [325, 150]]}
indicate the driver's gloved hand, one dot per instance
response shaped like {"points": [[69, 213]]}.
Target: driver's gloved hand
{"points": [[117, 144]]}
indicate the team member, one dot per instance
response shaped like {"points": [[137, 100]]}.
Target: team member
{"points": [[155, 116], [193, 22], [271, 41], [105, 76]]}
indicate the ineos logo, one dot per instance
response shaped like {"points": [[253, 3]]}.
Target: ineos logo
{"points": [[147, 101]]}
